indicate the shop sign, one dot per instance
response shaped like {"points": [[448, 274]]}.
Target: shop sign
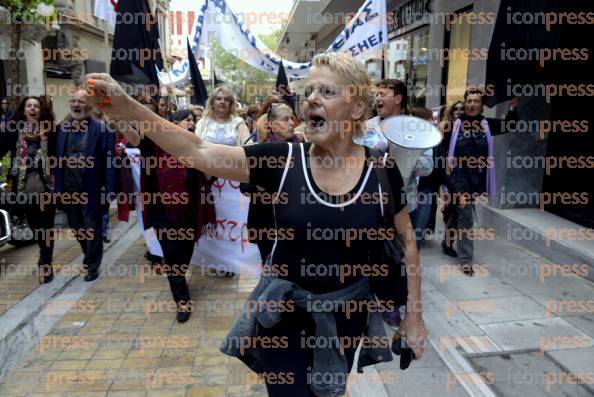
{"points": [[408, 13]]}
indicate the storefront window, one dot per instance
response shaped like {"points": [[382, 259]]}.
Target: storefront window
{"points": [[398, 61], [457, 77], [407, 60], [419, 68]]}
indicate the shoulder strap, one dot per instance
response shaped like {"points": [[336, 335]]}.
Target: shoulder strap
{"points": [[384, 182], [285, 171]]}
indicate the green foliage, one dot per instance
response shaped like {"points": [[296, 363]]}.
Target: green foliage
{"points": [[271, 39], [25, 10], [248, 82]]}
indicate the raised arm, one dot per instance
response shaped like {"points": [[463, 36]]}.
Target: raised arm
{"points": [[222, 161]]}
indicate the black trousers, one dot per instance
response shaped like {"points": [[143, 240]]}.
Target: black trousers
{"points": [[265, 247], [88, 231], [177, 253], [42, 224]]}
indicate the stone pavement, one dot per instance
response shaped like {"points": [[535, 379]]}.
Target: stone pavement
{"points": [[497, 333], [121, 339], [18, 266], [524, 324]]}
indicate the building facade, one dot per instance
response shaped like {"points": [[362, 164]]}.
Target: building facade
{"points": [[28, 56], [82, 45], [439, 48]]}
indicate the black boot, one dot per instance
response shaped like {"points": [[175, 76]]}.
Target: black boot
{"points": [[91, 275], [449, 251], [46, 273], [184, 310]]}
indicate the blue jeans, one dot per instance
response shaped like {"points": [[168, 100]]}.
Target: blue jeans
{"points": [[106, 225], [420, 217]]}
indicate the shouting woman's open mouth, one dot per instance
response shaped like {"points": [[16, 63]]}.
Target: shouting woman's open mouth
{"points": [[316, 123]]}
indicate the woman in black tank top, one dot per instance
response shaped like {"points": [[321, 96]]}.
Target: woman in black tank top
{"points": [[328, 207]]}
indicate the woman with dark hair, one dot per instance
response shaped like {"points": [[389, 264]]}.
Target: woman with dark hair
{"points": [[180, 220], [185, 119], [30, 138], [163, 107], [448, 210]]}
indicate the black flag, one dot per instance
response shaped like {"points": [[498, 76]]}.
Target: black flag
{"points": [[199, 94], [136, 53], [282, 86], [217, 82]]}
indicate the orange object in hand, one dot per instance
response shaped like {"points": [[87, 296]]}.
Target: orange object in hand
{"points": [[91, 91]]}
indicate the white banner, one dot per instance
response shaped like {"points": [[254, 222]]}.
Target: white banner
{"points": [[364, 38], [104, 10], [226, 246]]}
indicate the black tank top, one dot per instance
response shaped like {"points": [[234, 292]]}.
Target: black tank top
{"points": [[323, 242]]}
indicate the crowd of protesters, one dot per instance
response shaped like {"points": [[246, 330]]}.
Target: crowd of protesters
{"points": [[219, 122], [205, 135]]}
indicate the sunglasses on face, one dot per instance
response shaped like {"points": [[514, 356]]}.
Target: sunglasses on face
{"points": [[459, 108]]}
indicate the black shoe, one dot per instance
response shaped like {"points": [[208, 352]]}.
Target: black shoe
{"points": [[153, 258], [92, 276], [46, 274], [44, 279], [467, 269], [183, 315], [106, 239], [449, 251]]}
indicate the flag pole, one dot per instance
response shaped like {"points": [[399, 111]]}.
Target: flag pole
{"points": [[212, 82], [106, 43]]}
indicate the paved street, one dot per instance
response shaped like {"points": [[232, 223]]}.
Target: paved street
{"points": [[19, 275], [120, 337]]}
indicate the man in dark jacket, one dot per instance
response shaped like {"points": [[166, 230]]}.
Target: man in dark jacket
{"points": [[84, 178]]}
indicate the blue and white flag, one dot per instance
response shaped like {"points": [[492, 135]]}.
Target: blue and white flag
{"points": [[364, 38]]}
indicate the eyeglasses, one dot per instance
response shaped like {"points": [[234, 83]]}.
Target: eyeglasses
{"points": [[459, 108], [4, 103], [324, 90]]}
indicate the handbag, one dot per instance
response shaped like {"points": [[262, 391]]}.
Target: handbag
{"points": [[393, 285], [34, 183]]}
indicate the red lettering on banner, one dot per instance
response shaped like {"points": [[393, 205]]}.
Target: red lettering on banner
{"points": [[219, 186], [233, 225], [244, 241]]}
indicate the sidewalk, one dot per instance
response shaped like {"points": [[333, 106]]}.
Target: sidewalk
{"points": [[122, 339], [521, 322], [18, 274]]}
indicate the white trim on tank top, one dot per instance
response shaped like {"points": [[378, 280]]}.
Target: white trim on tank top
{"points": [[369, 168], [280, 187]]}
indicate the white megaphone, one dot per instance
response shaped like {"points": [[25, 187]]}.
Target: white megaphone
{"points": [[412, 136], [411, 132]]}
